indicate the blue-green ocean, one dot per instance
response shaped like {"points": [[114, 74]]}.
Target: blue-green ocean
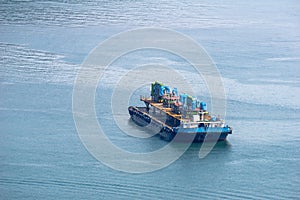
{"points": [[254, 44]]}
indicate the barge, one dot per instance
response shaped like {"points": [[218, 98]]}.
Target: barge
{"points": [[172, 113]]}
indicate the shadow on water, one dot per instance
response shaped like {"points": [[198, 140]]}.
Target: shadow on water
{"points": [[221, 145], [221, 149], [219, 155], [206, 167]]}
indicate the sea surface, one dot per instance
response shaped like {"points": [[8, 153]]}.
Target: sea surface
{"points": [[254, 44]]}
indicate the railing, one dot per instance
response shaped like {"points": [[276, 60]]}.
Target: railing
{"points": [[188, 124]]}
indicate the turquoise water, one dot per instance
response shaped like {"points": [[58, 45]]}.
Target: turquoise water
{"points": [[256, 47]]}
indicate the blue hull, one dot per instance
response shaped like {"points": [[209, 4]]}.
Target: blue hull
{"points": [[168, 133]]}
